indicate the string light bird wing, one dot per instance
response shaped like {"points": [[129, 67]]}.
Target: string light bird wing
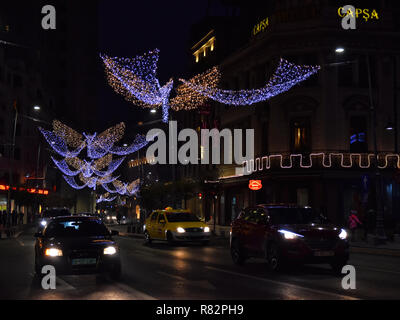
{"points": [[106, 197], [136, 80], [99, 145], [284, 78], [59, 145], [71, 181], [188, 98], [138, 143], [64, 168], [111, 168], [71, 137]]}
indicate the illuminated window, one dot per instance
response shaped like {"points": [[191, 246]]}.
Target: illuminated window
{"points": [[300, 135], [358, 135]]}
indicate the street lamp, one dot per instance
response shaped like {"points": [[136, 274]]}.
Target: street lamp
{"points": [[339, 50], [153, 110], [389, 127], [36, 108]]}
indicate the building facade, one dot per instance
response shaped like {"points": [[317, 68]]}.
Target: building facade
{"points": [[315, 144]]}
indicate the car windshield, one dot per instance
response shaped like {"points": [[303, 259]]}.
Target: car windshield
{"points": [[181, 217], [294, 216], [76, 228], [55, 213]]}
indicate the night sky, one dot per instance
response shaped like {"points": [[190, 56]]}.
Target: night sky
{"points": [[130, 28]]}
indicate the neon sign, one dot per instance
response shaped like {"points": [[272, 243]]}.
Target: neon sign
{"points": [[367, 14], [255, 185], [261, 26]]}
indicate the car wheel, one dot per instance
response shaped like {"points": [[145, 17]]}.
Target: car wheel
{"points": [[337, 266], [115, 274], [170, 238], [147, 237], [273, 258], [237, 253]]}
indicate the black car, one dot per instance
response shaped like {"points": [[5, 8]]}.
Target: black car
{"points": [[51, 213], [76, 245]]}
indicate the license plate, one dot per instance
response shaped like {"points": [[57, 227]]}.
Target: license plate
{"points": [[83, 261], [324, 253]]}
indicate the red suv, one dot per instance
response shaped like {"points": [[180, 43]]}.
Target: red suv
{"points": [[287, 234]]}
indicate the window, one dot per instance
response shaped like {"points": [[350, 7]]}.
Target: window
{"points": [[300, 135], [154, 217], [160, 217], [358, 134], [255, 215]]}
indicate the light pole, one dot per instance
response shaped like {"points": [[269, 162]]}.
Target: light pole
{"points": [[11, 166], [380, 236]]}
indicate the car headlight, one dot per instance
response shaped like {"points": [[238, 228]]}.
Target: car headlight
{"points": [[290, 235], [53, 252], [110, 250], [343, 234], [180, 230], [206, 229], [108, 217], [43, 223]]}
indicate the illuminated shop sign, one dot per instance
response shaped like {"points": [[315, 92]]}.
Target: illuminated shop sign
{"points": [[261, 26], [255, 184], [30, 190], [366, 14]]}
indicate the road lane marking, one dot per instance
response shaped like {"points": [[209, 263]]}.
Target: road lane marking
{"points": [[20, 242], [293, 286]]}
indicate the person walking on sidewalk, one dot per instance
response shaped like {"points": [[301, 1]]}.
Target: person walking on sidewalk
{"points": [[354, 222]]}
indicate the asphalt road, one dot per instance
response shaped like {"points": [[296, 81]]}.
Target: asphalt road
{"points": [[159, 271]]}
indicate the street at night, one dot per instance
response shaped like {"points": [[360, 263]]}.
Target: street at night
{"points": [[186, 272]]}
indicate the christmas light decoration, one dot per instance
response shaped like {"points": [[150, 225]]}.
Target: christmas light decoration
{"points": [[100, 151], [98, 146], [59, 145], [70, 136], [136, 80], [73, 184], [326, 160], [138, 143], [106, 197], [188, 98], [284, 78]]}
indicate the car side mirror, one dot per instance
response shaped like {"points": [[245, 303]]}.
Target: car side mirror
{"points": [[114, 232]]}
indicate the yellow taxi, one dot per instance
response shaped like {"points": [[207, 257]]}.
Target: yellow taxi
{"points": [[175, 225]]}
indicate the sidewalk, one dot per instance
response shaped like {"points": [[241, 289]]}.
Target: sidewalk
{"points": [[13, 232]]}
